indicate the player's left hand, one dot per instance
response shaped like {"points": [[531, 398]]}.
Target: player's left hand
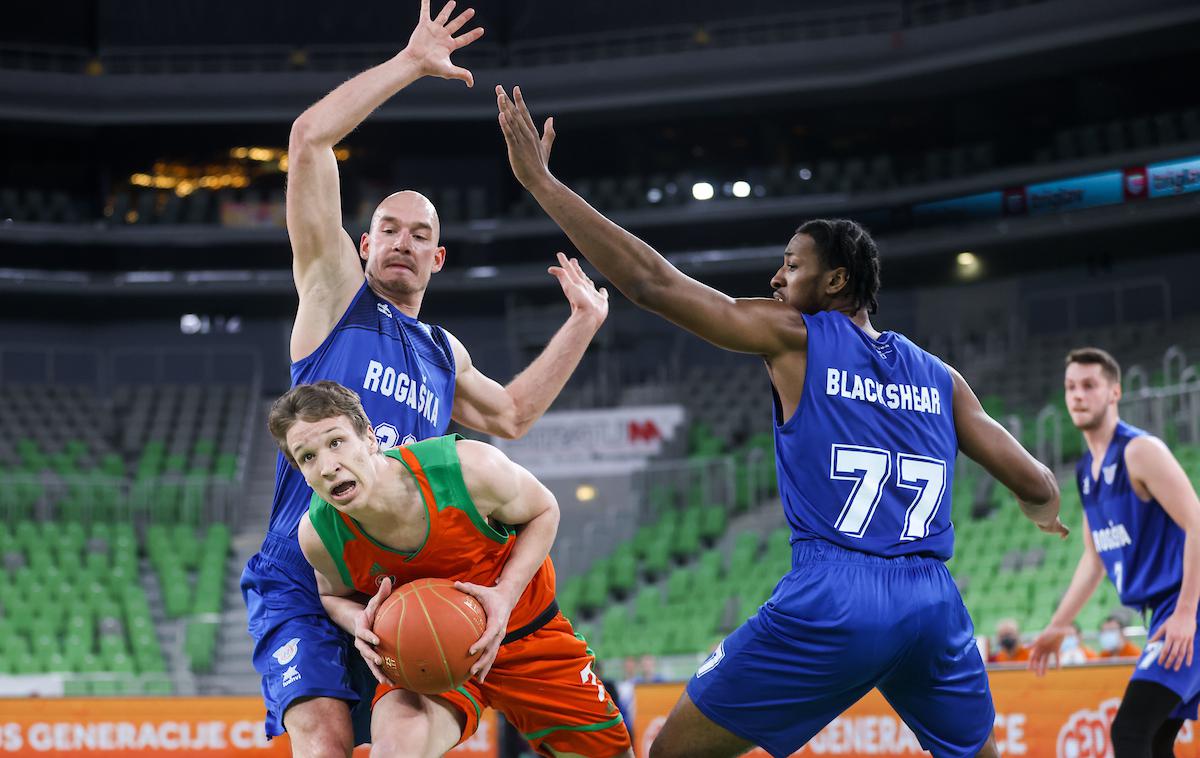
{"points": [[528, 153], [497, 603], [1178, 634], [1057, 527], [581, 291]]}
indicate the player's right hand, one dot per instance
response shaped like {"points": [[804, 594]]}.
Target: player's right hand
{"points": [[1056, 527], [528, 152], [433, 41], [364, 638], [1045, 647]]}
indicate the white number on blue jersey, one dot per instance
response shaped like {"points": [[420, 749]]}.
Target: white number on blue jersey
{"points": [[869, 468], [1119, 575], [928, 477]]}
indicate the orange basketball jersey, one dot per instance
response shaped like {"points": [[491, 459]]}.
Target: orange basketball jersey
{"points": [[459, 544]]}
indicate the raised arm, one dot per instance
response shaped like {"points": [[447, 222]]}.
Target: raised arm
{"points": [[482, 404], [756, 325], [989, 444], [508, 493], [325, 262]]}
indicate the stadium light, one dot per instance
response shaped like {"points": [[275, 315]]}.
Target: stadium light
{"points": [[741, 189], [654, 195], [966, 260], [585, 493], [702, 191]]}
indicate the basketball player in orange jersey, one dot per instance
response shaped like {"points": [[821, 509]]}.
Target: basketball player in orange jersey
{"points": [[443, 508]]}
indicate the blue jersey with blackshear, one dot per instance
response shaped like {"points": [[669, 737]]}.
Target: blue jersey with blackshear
{"points": [[1142, 550], [1141, 547], [866, 462], [865, 469], [404, 372]]}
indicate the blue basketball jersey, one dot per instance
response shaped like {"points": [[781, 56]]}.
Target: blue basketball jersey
{"points": [[867, 460], [402, 369], [1141, 546]]}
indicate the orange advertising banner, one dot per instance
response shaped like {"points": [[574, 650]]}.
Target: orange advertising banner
{"points": [[1065, 714], [208, 726]]}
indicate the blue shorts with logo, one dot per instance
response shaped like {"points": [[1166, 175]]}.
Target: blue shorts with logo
{"points": [[299, 651], [839, 624], [1186, 681]]}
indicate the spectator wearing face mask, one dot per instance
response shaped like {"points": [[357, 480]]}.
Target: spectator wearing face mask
{"points": [[1008, 643], [1073, 651], [1113, 643]]}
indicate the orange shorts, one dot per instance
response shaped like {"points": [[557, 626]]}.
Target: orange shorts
{"points": [[544, 686]]}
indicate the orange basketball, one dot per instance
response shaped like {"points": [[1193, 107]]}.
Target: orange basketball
{"points": [[425, 629]]}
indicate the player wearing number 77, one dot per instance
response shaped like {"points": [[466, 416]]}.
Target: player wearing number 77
{"points": [[1141, 524], [867, 428]]}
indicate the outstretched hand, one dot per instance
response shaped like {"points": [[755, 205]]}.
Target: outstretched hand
{"points": [[583, 295], [433, 41], [528, 152], [1057, 527], [1044, 651]]}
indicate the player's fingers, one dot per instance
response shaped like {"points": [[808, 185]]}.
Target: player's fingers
{"points": [[1190, 647], [1158, 633], [461, 74], [367, 636], [523, 110], [424, 9], [604, 292], [557, 272], [444, 14], [463, 40], [458, 21]]}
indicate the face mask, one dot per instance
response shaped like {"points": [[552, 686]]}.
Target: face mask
{"points": [[1069, 644], [1008, 643], [1110, 640]]}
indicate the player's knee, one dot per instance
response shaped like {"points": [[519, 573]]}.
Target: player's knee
{"points": [[320, 728], [412, 744], [989, 749], [1131, 736]]}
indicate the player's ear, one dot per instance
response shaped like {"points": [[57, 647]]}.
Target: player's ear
{"points": [[837, 281], [364, 245], [439, 259], [372, 440]]}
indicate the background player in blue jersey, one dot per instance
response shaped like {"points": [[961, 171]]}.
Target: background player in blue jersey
{"points": [[1141, 525], [361, 329], [867, 428]]}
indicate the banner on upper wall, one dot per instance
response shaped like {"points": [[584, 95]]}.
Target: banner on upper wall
{"points": [[579, 439], [1066, 714], [1174, 177], [202, 726]]}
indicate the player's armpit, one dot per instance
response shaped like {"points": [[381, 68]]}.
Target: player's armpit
{"points": [[501, 488], [1155, 471]]}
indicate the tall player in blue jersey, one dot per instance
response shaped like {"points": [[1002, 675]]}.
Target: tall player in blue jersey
{"points": [[867, 429], [361, 329], [1141, 525]]}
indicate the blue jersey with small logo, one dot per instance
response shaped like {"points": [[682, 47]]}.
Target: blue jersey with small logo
{"points": [[1140, 545], [867, 460], [402, 369]]}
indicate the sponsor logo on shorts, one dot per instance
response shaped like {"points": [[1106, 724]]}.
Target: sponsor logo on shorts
{"points": [[1150, 654], [287, 651], [291, 675], [717, 656]]}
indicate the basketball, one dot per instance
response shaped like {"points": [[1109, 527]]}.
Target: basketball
{"points": [[425, 629]]}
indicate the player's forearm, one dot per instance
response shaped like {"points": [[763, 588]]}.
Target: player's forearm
{"points": [[334, 116], [533, 545], [1088, 575], [342, 610], [633, 267], [535, 388], [1189, 591]]}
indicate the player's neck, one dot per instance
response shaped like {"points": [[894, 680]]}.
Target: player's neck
{"points": [[862, 320], [394, 497], [408, 303], [1099, 437]]}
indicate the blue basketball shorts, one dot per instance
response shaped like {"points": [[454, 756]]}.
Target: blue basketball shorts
{"points": [[299, 651], [1186, 681], [839, 624]]}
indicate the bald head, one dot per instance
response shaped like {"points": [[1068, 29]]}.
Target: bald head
{"points": [[408, 207]]}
